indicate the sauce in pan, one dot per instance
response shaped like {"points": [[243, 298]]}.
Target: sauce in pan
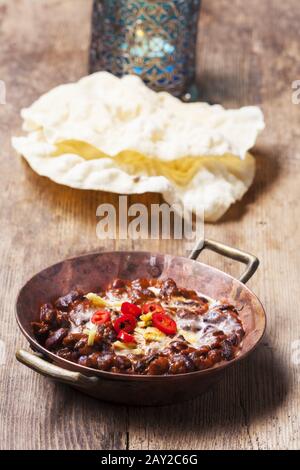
{"points": [[147, 327]]}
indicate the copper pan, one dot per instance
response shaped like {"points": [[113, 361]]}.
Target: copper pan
{"points": [[94, 271]]}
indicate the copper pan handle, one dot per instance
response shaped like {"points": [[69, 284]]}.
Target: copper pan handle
{"points": [[250, 261], [38, 364]]}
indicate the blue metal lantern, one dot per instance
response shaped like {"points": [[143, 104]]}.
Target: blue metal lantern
{"points": [[153, 39]]}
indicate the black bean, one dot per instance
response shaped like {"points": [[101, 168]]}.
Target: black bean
{"points": [[178, 364], [72, 338], [189, 363], [122, 362], [227, 350], [168, 288], [105, 361], [40, 329], [140, 284], [68, 354], [81, 342], [47, 314], [62, 319], [159, 366], [178, 346], [233, 339], [140, 366], [82, 361], [215, 355], [63, 303], [92, 360], [56, 338], [213, 317], [185, 313]]}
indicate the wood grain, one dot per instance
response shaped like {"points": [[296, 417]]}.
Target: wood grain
{"points": [[248, 53]]}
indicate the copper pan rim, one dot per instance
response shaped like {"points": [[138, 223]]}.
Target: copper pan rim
{"points": [[48, 355]]}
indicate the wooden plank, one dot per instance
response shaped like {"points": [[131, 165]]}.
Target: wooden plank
{"points": [[247, 54], [43, 223]]}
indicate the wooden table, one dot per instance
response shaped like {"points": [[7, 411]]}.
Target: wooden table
{"points": [[248, 53]]}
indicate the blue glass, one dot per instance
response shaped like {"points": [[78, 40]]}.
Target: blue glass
{"points": [[153, 39]]}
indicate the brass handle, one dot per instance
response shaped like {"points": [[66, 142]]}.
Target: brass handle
{"points": [[38, 364], [250, 261]]}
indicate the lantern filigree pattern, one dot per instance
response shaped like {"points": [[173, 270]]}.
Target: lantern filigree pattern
{"points": [[153, 39]]}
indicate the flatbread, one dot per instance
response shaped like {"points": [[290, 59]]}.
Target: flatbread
{"points": [[111, 134]]}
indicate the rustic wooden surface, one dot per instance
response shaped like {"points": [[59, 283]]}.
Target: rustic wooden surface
{"points": [[248, 54]]}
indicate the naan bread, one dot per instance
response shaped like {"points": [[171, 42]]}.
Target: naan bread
{"points": [[111, 134]]}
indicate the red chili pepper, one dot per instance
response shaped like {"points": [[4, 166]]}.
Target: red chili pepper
{"points": [[152, 307], [164, 323], [100, 317], [125, 337], [125, 323], [131, 309]]}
